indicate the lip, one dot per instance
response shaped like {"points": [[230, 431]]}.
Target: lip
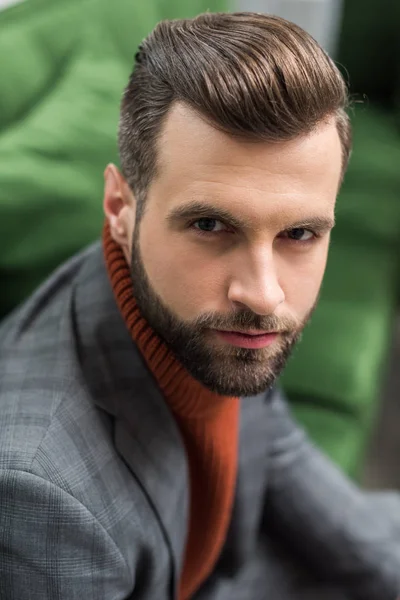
{"points": [[250, 339]]}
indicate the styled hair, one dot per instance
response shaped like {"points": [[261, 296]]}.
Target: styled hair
{"points": [[251, 75]]}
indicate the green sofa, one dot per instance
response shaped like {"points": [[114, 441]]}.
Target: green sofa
{"points": [[67, 62]]}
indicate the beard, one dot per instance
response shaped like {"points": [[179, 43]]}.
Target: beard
{"points": [[224, 369]]}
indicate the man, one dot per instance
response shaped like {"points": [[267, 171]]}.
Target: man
{"points": [[145, 452]]}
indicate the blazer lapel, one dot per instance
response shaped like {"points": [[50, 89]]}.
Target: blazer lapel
{"points": [[146, 435]]}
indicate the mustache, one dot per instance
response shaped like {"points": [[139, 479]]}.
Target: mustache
{"points": [[246, 320]]}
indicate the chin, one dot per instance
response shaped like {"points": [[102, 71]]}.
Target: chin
{"points": [[232, 386]]}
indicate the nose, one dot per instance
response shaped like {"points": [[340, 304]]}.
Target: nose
{"points": [[255, 286]]}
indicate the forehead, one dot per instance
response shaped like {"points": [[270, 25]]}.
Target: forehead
{"points": [[196, 161]]}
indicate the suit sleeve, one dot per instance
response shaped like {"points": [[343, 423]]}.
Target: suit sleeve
{"points": [[52, 547], [349, 536]]}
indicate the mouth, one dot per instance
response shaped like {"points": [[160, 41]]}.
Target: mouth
{"points": [[248, 339]]}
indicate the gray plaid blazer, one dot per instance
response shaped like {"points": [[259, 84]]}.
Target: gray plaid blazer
{"points": [[94, 481]]}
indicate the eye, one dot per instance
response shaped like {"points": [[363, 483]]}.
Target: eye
{"points": [[208, 225], [300, 234]]}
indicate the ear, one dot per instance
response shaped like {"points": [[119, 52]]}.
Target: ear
{"points": [[119, 207]]}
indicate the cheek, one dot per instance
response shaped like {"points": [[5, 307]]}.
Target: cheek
{"points": [[187, 281], [301, 281]]}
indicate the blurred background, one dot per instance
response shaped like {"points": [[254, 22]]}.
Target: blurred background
{"points": [[63, 65]]}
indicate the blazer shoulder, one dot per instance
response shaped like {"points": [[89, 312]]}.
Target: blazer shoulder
{"points": [[27, 416], [39, 369]]}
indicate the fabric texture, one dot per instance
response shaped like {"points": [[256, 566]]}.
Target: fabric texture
{"points": [[208, 424], [94, 476]]}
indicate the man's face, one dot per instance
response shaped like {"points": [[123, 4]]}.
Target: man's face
{"points": [[229, 255]]}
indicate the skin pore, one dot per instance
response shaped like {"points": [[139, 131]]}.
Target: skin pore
{"points": [[234, 238]]}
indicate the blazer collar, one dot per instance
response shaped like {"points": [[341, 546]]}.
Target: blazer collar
{"points": [[146, 435]]}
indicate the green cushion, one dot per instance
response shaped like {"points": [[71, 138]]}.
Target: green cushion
{"points": [[335, 432], [38, 38]]}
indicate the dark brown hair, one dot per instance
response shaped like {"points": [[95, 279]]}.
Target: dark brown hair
{"points": [[252, 75]]}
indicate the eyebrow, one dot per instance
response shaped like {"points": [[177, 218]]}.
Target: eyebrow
{"points": [[317, 224], [196, 209]]}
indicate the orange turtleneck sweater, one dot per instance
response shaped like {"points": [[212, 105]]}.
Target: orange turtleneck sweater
{"points": [[208, 424]]}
